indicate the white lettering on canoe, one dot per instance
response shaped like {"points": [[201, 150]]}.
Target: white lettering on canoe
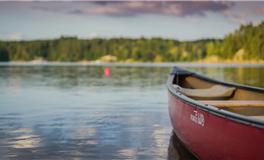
{"points": [[197, 118]]}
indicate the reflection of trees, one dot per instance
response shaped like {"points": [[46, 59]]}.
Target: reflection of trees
{"points": [[252, 76], [73, 76], [66, 77]]}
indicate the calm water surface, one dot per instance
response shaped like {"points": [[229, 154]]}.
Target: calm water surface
{"points": [[73, 111]]}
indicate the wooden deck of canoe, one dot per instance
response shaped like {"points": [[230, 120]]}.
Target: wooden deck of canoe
{"points": [[237, 104]]}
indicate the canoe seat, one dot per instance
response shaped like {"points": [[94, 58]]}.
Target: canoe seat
{"points": [[258, 117], [215, 92], [235, 103]]}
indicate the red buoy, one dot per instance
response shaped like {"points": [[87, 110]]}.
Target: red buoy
{"points": [[107, 71], [85, 63]]}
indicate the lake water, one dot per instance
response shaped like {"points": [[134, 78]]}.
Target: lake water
{"points": [[70, 111]]}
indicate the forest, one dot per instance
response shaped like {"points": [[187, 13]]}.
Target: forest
{"points": [[244, 44]]}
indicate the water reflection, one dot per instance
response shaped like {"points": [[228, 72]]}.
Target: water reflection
{"points": [[69, 77], [176, 150], [114, 137], [57, 112], [252, 76]]}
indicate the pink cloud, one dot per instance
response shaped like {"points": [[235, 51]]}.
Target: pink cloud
{"points": [[194, 21], [228, 13], [241, 19], [259, 11]]}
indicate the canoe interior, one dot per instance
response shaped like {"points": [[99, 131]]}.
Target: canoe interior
{"points": [[242, 101]]}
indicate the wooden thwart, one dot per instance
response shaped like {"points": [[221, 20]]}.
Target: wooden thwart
{"points": [[234, 103], [257, 117]]}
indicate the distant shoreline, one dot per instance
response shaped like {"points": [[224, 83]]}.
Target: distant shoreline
{"points": [[234, 48], [143, 64]]}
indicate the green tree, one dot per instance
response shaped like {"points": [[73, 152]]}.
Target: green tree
{"points": [[4, 56]]}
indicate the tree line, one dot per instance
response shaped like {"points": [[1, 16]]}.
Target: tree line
{"points": [[246, 43]]}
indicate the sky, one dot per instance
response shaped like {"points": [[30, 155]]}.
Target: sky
{"points": [[181, 20]]}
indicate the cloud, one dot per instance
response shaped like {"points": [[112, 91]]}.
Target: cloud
{"points": [[259, 11], [134, 8], [15, 36], [241, 19], [85, 36], [236, 18], [194, 21], [93, 35], [76, 11], [48, 8], [228, 13]]}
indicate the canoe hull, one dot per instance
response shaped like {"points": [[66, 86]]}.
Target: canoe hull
{"points": [[210, 136]]}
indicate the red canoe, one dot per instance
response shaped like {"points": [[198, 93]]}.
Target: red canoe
{"points": [[215, 119]]}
